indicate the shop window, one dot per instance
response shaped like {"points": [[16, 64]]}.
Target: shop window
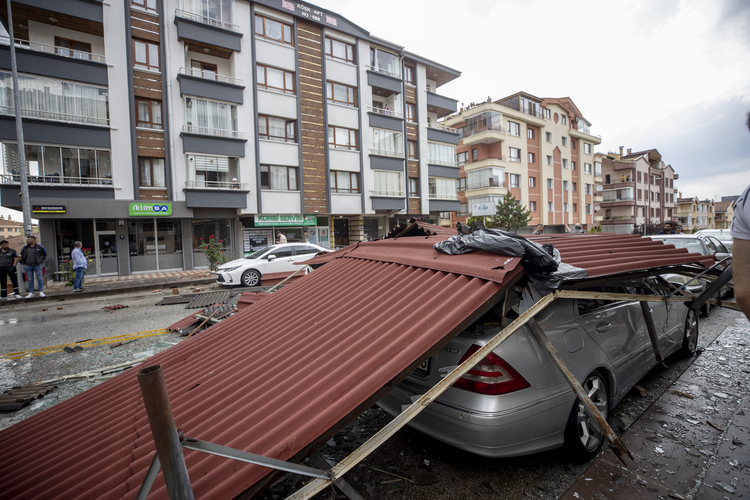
{"points": [[220, 229], [278, 178]]}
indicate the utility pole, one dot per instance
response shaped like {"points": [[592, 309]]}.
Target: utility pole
{"points": [[28, 229]]}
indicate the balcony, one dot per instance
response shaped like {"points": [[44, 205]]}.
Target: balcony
{"points": [[441, 105], [618, 219], [384, 83], [595, 138], [199, 83], [440, 132], [442, 205], [383, 152], [221, 36], [384, 112], [384, 118], [231, 134], [70, 11], [388, 200], [207, 140], [485, 184], [215, 194], [628, 182], [57, 180], [486, 137], [436, 196]]}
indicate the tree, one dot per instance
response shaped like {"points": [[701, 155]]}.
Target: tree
{"points": [[597, 229], [510, 214]]}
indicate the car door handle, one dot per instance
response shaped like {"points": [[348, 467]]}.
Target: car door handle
{"points": [[603, 327]]}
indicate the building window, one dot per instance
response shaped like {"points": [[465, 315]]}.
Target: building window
{"points": [[462, 184], [213, 171], [277, 129], [273, 30], [384, 62], [548, 136], [152, 172], [71, 48], [565, 163], [588, 209], [56, 165], [339, 93], [587, 148], [515, 180], [532, 206], [532, 158], [639, 177], [275, 79], [212, 12], [342, 138], [390, 143], [203, 70], [530, 133], [442, 188], [564, 120], [575, 208], [549, 183], [575, 187], [410, 113], [442, 154], [462, 158], [514, 128], [485, 177], [474, 155], [514, 155], [573, 166], [277, 178], [565, 207], [413, 187], [565, 185], [344, 182], [547, 114], [388, 183], [412, 149], [549, 206], [409, 75], [148, 113], [572, 144], [210, 117], [145, 55], [564, 141], [532, 182], [598, 170], [587, 168], [340, 50], [549, 160], [587, 188], [146, 4]]}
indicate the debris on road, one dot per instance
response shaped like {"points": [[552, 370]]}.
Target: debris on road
{"points": [[116, 306], [18, 397], [641, 390], [77, 348], [683, 394], [91, 374], [714, 426]]}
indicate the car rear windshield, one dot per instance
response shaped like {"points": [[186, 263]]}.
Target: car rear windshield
{"points": [[692, 245]]}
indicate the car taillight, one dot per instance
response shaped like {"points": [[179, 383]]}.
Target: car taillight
{"points": [[491, 376]]}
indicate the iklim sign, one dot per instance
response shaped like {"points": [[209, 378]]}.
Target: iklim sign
{"points": [[149, 209]]}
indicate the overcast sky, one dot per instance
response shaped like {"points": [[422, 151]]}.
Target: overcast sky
{"points": [[667, 74]]}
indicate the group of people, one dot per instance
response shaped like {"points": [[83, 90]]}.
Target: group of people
{"points": [[670, 228], [32, 257]]}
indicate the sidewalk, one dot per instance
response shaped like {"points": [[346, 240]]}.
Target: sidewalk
{"points": [[112, 285], [678, 453]]}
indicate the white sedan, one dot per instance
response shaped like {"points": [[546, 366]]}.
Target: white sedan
{"points": [[249, 271]]}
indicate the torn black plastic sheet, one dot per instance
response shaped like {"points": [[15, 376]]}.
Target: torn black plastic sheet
{"points": [[542, 263]]}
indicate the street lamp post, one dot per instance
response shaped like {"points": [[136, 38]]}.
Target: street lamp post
{"points": [[647, 215]]}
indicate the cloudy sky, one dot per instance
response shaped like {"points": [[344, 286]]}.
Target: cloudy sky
{"points": [[667, 74]]}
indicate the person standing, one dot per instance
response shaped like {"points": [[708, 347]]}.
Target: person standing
{"points": [[678, 229], [8, 261], [539, 229], [577, 229], [79, 266], [667, 229], [282, 238], [741, 249], [32, 258]]}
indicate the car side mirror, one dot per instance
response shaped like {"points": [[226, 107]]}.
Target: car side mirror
{"points": [[271, 257]]}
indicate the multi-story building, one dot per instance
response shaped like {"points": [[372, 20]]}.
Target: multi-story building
{"points": [[10, 228], [150, 124], [723, 213], [539, 150], [693, 213], [637, 187]]}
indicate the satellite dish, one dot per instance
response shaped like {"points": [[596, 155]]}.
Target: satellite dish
{"points": [[597, 208], [599, 188]]}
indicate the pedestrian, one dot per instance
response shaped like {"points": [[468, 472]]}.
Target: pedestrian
{"points": [[577, 229], [539, 229], [678, 229], [741, 249], [8, 261], [667, 229], [79, 266], [32, 258], [282, 238], [623, 178]]}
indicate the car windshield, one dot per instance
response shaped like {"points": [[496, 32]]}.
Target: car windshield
{"points": [[259, 253], [693, 245], [722, 236]]}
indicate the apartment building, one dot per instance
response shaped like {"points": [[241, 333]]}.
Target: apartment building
{"points": [[10, 227], [723, 213], [539, 149], [150, 124], [638, 186], [693, 213]]}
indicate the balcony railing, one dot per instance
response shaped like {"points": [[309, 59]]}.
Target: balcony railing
{"points": [[485, 184], [393, 74], [445, 163], [53, 49], [618, 180], [210, 21], [619, 217], [441, 126], [216, 185], [384, 112], [194, 129], [209, 75], [55, 116], [390, 194], [588, 132], [514, 159], [597, 173], [615, 200], [57, 180], [384, 152], [436, 196]]}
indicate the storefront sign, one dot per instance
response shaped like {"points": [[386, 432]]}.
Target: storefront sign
{"points": [[483, 209], [141, 209], [48, 209], [285, 220]]}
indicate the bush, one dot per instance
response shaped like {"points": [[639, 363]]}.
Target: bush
{"points": [[214, 252], [67, 266]]}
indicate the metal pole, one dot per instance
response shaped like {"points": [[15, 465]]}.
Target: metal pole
{"points": [[164, 432], [25, 201], [648, 317]]}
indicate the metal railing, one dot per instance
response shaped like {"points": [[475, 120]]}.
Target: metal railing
{"points": [[385, 72], [384, 112], [514, 159], [443, 163], [216, 185], [588, 133], [619, 217], [624, 198], [210, 21], [56, 180], [194, 129], [384, 152], [441, 126], [597, 174], [54, 49], [389, 194], [618, 180], [56, 117], [209, 75], [485, 184], [435, 196], [498, 130]]}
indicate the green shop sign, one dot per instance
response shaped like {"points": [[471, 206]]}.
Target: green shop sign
{"points": [[285, 220], [149, 209]]}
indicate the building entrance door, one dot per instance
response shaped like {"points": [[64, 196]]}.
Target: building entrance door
{"points": [[341, 232], [106, 253]]}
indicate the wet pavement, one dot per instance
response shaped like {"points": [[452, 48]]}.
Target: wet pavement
{"points": [[694, 441]]}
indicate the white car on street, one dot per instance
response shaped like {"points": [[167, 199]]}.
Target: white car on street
{"points": [[249, 271]]}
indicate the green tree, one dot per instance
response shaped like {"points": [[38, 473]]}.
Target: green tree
{"points": [[597, 229], [510, 214]]}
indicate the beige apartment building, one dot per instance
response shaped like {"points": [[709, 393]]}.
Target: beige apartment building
{"points": [[10, 228], [541, 150], [695, 213], [723, 213], [636, 187]]}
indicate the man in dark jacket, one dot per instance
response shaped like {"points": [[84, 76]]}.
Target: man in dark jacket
{"points": [[32, 258], [8, 261]]}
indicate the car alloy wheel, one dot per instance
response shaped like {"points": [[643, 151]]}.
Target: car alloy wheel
{"points": [[583, 435], [251, 278], [690, 339]]}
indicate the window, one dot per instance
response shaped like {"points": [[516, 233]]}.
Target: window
{"points": [[549, 206], [587, 148], [273, 30], [514, 128], [49, 164], [340, 50], [549, 183], [71, 48], [565, 163], [549, 160], [277, 129], [413, 187], [532, 206], [565, 207], [344, 182], [483, 122], [515, 155], [384, 62], [409, 74], [587, 188], [532, 182], [442, 188], [342, 138], [564, 120], [575, 208], [573, 166], [547, 114], [532, 158], [203, 70], [462, 184], [530, 133], [575, 187], [148, 113], [275, 79], [565, 185], [390, 143], [388, 183], [515, 180], [339, 93], [572, 144], [442, 154], [564, 141], [210, 117], [410, 114], [474, 154], [548, 136], [485, 177], [212, 12], [278, 178], [412, 145], [152, 172], [146, 4], [213, 171], [588, 208], [598, 170], [145, 55], [639, 177], [462, 158], [587, 168]]}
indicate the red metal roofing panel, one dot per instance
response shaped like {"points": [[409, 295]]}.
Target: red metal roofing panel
{"points": [[268, 380], [250, 298], [186, 321]]}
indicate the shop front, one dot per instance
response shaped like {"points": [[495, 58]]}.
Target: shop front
{"points": [[261, 230], [99, 239]]}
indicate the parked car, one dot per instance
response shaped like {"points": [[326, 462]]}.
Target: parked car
{"points": [[720, 234], [249, 271], [516, 402], [702, 244]]}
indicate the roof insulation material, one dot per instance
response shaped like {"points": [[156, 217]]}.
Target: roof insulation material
{"points": [[269, 380]]}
